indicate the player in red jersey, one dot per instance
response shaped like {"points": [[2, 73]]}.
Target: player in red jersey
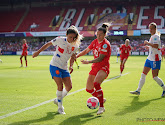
{"points": [[24, 52], [125, 52], [163, 52], [100, 68]]}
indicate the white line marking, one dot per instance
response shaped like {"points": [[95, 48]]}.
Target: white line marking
{"points": [[48, 101]]}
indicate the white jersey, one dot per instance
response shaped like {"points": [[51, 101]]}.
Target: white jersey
{"points": [[64, 51], [118, 50], [154, 54]]}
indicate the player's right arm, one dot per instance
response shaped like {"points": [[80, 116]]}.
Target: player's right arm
{"points": [[84, 52], [45, 46]]}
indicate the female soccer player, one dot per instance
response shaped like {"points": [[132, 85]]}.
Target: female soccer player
{"points": [[125, 52], [118, 52], [24, 52], [66, 47], [100, 67], [153, 60]]}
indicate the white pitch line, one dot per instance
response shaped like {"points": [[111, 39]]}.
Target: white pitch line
{"points": [[48, 101]]}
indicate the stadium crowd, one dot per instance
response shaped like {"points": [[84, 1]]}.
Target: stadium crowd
{"points": [[10, 45]]}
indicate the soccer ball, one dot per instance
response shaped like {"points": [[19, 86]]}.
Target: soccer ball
{"points": [[92, 103]]}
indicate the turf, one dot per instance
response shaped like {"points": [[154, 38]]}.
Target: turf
{"points": [[25, 87]]}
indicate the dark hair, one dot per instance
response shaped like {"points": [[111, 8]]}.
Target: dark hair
{"points": [[69, 31], [104, 28]]}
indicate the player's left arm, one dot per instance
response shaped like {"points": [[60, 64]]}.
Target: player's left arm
{"points": [[99, 59], [72, 59], [151, 44]]}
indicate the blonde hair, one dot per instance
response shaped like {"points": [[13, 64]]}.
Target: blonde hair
{"points": [[79, 37], [155, 26]]}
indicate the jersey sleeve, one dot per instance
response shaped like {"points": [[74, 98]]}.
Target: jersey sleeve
{"points": [[155, 39], [104, 49], [55, 41], [91, 46]]}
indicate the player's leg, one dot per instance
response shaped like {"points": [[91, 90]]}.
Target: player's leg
{"points": [[101, 75], [59, 83], [146, 69], [26, 60], [155, 72], [123, 63], [68, 86], [90, 86], [21, 60], [121, 66], [57, 77], [117, 58]]}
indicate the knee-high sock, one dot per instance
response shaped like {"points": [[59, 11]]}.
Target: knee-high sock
{"points": [[141, 82], [92, 92], [26, 63], [64, 93], [59, 98], [121, 68], [21, 61], [99, 93], [160, 82]]}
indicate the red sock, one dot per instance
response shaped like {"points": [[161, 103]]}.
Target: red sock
{"points": [[121, 68], [21, 61], [26, 62], [99, 93], [92, 92]]}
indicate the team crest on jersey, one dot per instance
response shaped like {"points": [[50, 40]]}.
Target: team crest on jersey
{"points": [[73, 48], [105, 46]]}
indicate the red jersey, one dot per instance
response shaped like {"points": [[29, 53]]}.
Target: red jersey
{"points": [[163, 51], [125, 50], [101, 48], [24, 47]]}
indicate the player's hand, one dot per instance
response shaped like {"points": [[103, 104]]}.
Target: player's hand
{"points": [[35, 54], [146, 42], [84, 61], [71, 69]]}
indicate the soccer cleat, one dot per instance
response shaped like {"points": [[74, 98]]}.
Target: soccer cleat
{"points": [[61, 111], [101, 110], [135, 92], [56, 101], [21, 66], [163, 94]]}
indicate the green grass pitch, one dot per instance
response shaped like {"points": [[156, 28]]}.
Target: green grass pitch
{"points": [[21, 88]]}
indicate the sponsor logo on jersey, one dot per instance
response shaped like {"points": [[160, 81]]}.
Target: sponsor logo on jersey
{"points": [[103, 50]]}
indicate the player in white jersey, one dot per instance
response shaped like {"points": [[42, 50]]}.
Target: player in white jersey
{"points": [[66, 48], [153, 60], [118, 52]]}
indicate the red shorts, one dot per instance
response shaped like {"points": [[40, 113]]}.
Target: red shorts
{"points": [[122, 57], [24, 53], [95, 70], [163, 53]]}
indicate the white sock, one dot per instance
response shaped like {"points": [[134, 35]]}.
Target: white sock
{"points": [[64, 93], [59, 98], [160, 82], [141, 82]]}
